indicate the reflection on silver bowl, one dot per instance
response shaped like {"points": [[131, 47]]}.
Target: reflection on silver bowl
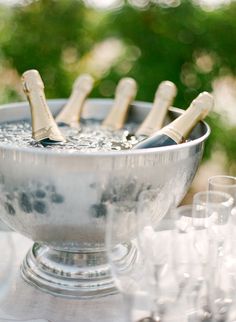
{"points": [[59, 199]]}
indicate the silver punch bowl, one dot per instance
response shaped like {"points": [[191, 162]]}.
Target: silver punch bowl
{"points": [[68, 257]]}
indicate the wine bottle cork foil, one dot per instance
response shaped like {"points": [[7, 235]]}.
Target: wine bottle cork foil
{"points": [[125, 93], [180, 128], [164, 98], [71, 112], [44, 127]]}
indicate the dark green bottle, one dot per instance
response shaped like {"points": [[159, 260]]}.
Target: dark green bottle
{"points": [[178, 131]]}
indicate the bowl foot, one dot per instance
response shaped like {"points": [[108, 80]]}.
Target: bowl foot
{"points": [[68, 274]]}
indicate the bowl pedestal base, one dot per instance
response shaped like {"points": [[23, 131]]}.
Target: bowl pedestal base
{"points": [[68, 274]]}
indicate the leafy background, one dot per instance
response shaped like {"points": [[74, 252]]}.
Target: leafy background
{"points": [[151, 40]]}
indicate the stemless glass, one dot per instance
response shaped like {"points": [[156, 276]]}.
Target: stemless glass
{"points": [[211, 210]]}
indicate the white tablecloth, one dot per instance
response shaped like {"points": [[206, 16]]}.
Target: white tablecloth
{"points": [[18, 300]]}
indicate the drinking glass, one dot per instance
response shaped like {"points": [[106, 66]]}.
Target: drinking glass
{"points": [[184, 265], [201, 245], [211, 212], [225, 184], [154, 242], [160, 283], [127, 265], [131, 227], [166, 248], [176, 253], [214, 207], [190, 253], [228, 184]]}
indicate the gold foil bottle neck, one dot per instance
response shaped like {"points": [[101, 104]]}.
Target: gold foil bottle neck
{"points": [[126, 91], [84, 83], [32, 80], [197, 111], [71, 112], [203, 103], [44, 126], [164, 98], [127, 87], [166, 91]]}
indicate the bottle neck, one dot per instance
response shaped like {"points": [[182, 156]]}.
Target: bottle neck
{"points": [[43, 124], [116, 118], [39, 109], [179, 129], [71, 113], [155, 119]]}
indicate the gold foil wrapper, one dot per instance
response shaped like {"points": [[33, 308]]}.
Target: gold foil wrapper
{"points": [[125, 93], [70, 114], [164, 98], [44, 126], [180, 128]]}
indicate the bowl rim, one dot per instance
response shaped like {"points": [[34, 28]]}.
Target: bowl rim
{"points": [[43, 152]]}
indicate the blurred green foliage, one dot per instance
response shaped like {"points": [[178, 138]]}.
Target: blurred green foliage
{"points": [[185, 44]]}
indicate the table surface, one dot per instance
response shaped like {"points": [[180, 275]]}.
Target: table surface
{"points": [[20, 301]]}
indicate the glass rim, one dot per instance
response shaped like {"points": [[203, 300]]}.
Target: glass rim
{"points": [[229, 200], [222, 184]]}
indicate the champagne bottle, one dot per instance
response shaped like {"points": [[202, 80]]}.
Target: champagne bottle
{"points": [[44, 127], [125, 92], [70, 114], [164, 97], [177, 131]]}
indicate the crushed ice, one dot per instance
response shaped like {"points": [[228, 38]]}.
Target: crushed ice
{"points": [[90, 137]]}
